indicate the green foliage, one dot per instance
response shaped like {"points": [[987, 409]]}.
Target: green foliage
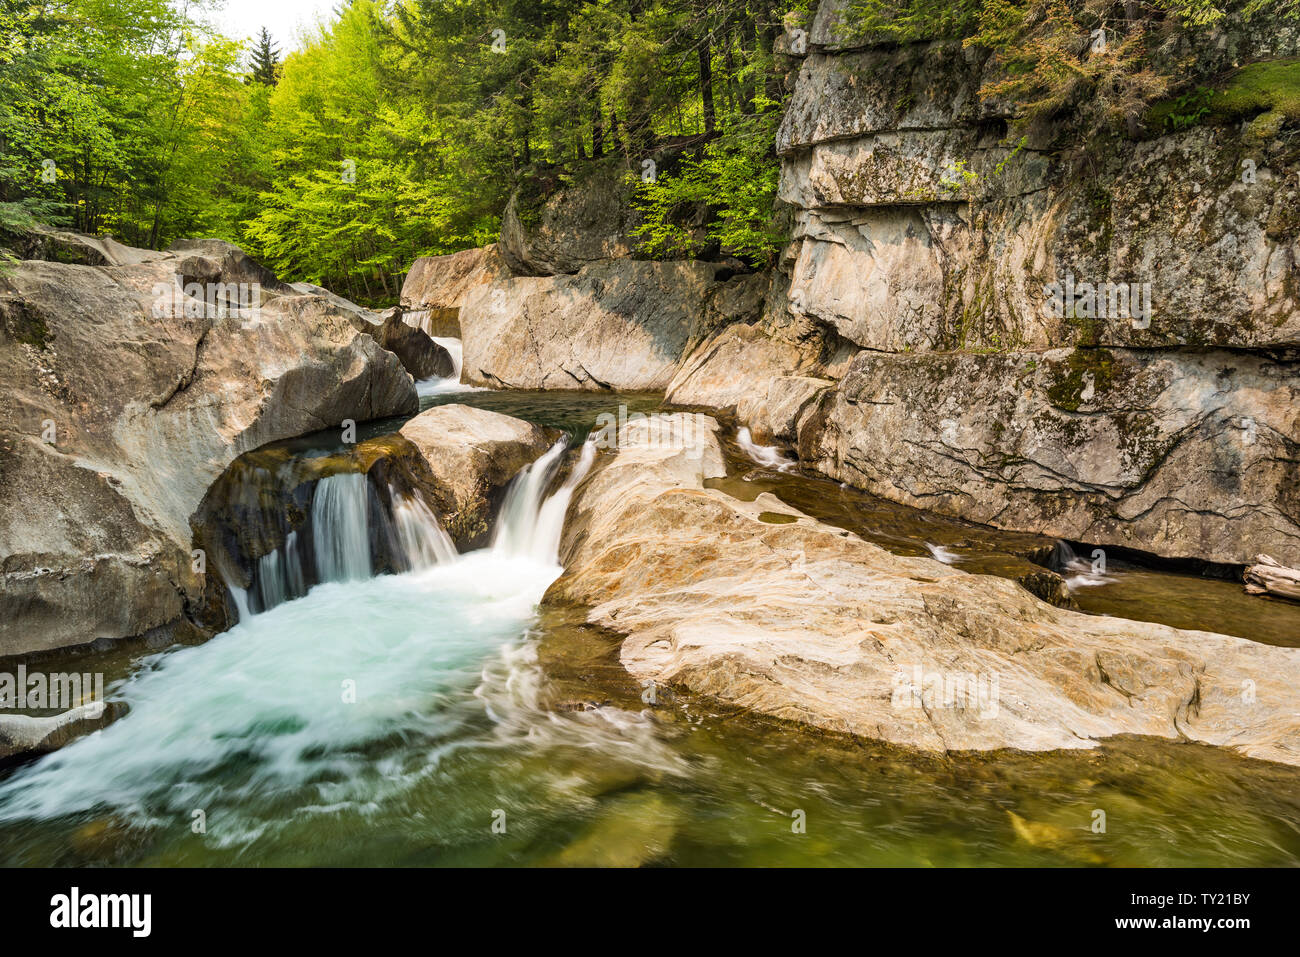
{"points": [[911, 21], [1188, 109], [116, 116], [735, 177], [1261, 88], [399, 129]]}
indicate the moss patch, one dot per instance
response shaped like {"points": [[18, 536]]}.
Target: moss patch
{"points": [[1072, 376], [1269, 90], [24, 324]]}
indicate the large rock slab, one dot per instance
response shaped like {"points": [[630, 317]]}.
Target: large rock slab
{"points": [[808, 623], [125, 399], [620, 324], [890, 253], [763, 381], [1189, 455], [436, 287]]}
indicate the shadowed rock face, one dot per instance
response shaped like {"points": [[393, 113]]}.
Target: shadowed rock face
{"points": [[807, 622], [1187, 455], [124, 400], [577, 224], [620, 324]]}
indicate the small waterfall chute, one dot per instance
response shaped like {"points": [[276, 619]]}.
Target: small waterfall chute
{"points": [[452, 383], [530, 524], [1078, 571], [341, 528], [421, 538], [942, 554], [766, 455]]}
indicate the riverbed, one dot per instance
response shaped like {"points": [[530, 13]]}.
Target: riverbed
{"points": [[449, 716]]}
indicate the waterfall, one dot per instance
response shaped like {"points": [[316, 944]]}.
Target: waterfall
{"points": [[941, 554], [528, 526], [454, 349], [436, 386], [766, 455], [271, 590], [418, 318], [341, 528], [1079, 572], [420, 537], [280, 576]]}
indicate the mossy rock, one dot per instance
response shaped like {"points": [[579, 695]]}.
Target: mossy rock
{"points": [[1071, 377], [1266, 93]]}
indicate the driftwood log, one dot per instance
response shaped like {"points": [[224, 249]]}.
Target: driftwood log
{"points": [[1270, 576]]}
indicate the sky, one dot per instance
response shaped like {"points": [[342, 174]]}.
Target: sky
{"points": [[245, 18]]}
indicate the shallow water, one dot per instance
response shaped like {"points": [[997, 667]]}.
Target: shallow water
{"points": [[1127, 590], [444, 717]]}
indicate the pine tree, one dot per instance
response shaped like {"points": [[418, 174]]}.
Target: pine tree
{"points": [[266, 60]]}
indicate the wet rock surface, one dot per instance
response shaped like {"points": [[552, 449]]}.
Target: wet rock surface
{"points": [[809, 623]]}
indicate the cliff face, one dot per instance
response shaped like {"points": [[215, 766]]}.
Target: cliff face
{"points": [[922, 306]]}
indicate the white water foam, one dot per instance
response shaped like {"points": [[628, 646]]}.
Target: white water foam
{"points": [[942, 554], [344, 698], [768, 456], [452, 383]]}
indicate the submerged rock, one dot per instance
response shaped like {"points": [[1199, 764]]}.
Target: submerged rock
{"points": [[630, 831], [809, 623], [23, 736], [127, 397]]}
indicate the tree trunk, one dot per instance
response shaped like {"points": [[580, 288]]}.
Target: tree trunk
{"points": [[748, 43], [706, 84]]}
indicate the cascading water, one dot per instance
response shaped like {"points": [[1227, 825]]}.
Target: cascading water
{"points": [[1077, 571], [530, 525], [345, 698], [341, 528], [422, 539], [766, 455], [452, 383]]}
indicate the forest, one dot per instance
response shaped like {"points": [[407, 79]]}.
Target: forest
{"points": [[400, 129]]}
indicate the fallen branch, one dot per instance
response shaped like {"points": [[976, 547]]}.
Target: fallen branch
{"points": [[1272, 577]]}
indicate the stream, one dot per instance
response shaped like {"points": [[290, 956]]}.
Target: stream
{"points": [[446, 715]]}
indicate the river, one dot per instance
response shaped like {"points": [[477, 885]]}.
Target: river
{"points": [[447, 715]]}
